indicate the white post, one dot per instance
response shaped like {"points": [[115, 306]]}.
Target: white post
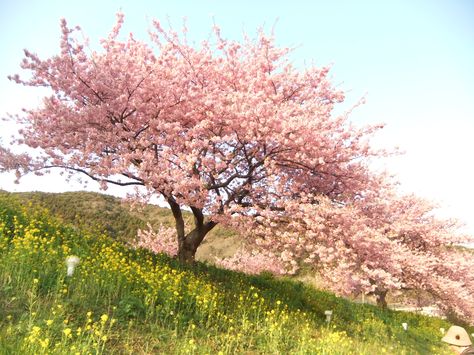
{"points": [[328, 315], [71, 262], [70, 270]]}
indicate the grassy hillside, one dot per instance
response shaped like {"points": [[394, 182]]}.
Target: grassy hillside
{"points": [[127, 301], [108, 214]]}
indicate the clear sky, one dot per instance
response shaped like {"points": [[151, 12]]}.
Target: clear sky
{"points": [[414, 61]]}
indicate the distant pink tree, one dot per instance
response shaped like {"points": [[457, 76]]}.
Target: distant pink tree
{"points": [[223, 129], [379, 243], [427, 250], [162, 240], [253, 262]]}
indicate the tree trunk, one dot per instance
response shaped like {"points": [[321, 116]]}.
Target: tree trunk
{"points": [[187, 249], [189, 243], [380, 298], [187, 254]]}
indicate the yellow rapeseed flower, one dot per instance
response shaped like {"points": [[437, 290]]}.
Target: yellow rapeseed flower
{"points": [[35, 329], [44, 343]]}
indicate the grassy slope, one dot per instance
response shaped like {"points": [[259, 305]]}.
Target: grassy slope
{"points": [[109, 214], [105, 213], [129, 301]]}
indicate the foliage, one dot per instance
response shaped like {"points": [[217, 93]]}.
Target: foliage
{"points": [[121, 300], [89, 210]]}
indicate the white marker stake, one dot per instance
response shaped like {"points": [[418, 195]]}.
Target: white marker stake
{"points": [[71, 262], [328, 315]]}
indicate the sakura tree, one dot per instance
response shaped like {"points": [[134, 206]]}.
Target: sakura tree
{"points": [[161, 241], [426, 249], [225, 129], [380, 243]]}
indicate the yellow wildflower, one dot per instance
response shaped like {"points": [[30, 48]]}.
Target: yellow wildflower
{"points": [[35, 329], [44, 343]]}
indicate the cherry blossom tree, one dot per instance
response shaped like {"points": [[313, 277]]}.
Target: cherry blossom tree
{"points": [[380, 243], [253, 262], [161, 241], [223, 129]]}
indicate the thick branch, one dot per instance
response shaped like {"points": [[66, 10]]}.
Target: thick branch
{"points": [[178, 217], [198, 217], [195, 237]]}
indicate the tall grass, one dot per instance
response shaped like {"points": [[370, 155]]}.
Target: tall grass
{"points": [[125, 301]]}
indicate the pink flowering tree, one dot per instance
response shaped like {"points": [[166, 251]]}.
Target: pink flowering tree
{"points": [[379, 243], [253, 262], [162, 240], [225, 129]]}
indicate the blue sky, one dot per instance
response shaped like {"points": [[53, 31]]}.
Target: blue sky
{"points": [[414, 61]]}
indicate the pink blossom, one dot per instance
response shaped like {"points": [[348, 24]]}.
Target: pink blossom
{"points": [[161, 241], [253, 262]]}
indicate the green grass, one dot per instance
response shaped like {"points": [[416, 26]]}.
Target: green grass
{"points": [[124, 301], [104, 213], [90, 209]]}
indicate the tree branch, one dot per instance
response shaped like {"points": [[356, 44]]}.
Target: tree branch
{"points": [[119, 183], [198, 217], [178, 217]]}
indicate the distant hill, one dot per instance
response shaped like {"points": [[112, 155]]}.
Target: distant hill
{"points": [[95, 211]]}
